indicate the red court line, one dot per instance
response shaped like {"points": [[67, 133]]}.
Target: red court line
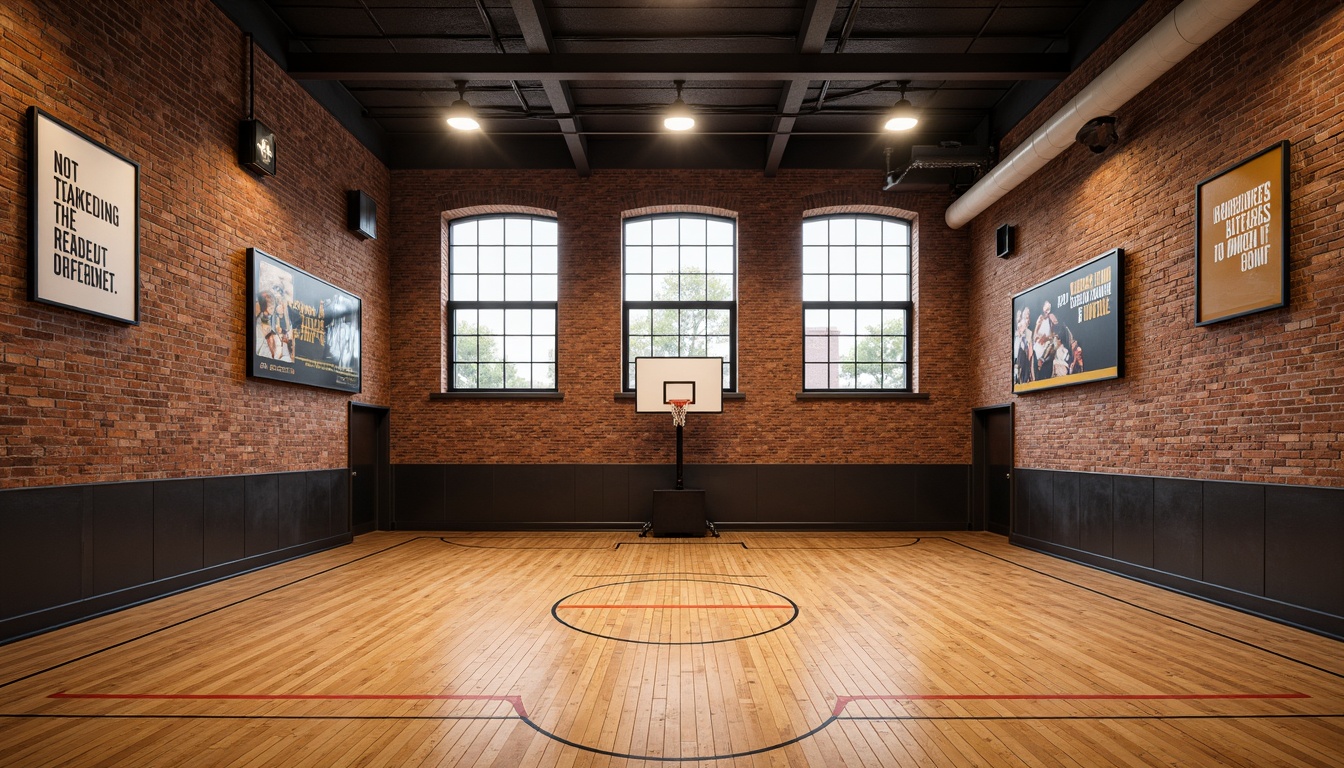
{"points": [[842, 701], [667, 605], [516, 701]]}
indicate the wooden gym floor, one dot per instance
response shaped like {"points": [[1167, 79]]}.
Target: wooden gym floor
{"points": [[604, 649]]}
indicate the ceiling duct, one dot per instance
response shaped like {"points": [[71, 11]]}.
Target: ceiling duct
{"points": [[939, 167], [1173, 38]]}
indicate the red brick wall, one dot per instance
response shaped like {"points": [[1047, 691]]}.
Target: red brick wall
{"points": [[84, 399], [1259, 398], [589, 425]]}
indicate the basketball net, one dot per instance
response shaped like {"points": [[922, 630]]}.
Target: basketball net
{"points": [[678, 412]]}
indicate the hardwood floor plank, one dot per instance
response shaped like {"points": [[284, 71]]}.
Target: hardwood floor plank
{"points": [[404, 649]]}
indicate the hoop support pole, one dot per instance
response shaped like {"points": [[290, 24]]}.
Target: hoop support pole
{"points": [[680, 485]]}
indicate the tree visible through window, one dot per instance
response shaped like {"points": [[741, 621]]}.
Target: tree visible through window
{"points": [[856, 303], [680, 290], [503, 299]]}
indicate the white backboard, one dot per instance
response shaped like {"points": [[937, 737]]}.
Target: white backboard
{"points": [[660, 379]]}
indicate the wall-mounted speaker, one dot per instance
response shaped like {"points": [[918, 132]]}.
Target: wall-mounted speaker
{"points": [[1003, 241], [361, 214]]}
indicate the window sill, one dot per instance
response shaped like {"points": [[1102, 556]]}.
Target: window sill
{"points": [[726, 396], [493, 395], [862, 396]]}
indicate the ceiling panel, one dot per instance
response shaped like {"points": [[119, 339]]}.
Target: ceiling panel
{"points": [[763, 123]]}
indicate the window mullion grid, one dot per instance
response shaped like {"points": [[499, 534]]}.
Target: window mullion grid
{"points": [[907, 306], [678, 306], [452, 309]]}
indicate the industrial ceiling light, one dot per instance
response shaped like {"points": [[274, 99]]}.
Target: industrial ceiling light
{"points": [[678, 116], [461, 116], [902, 115]]}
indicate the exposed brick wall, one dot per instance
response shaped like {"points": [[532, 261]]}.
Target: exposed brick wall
{"points": [[1259, 398], [589, 425], [84, 399]]}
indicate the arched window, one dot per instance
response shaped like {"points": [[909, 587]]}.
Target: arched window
{"points": [[502, 302], [680, 290], [857, 308]]}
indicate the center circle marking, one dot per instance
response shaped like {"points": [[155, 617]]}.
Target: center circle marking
{"points": [[675, 611]]}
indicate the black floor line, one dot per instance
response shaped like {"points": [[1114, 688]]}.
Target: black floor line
{"points": [[1146, 609], [660, 758], [190, 619], [556, 615], [603, 548]]}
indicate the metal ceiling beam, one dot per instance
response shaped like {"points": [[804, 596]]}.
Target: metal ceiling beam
{"points": [[817, 17], [676, 66], [531, 15]]}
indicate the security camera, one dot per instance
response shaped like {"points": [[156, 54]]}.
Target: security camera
{"points": [[1098, 134]]}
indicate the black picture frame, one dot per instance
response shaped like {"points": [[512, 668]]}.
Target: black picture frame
{"points": [[1089, 330], [83, 222], [1242, 218], [300, 328]]}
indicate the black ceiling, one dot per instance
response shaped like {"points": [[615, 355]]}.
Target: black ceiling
{"points": [[582, 83]]}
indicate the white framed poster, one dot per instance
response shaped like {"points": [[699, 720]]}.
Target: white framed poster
{"points": [[84, 222]]}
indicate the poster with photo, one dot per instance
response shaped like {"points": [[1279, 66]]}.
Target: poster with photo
{"points": [[1068, 329], [1241, 238], [84, 219], [301, 329]]}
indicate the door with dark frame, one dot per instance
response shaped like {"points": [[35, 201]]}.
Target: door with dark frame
{"points": [[992, 468], [370, 469]]}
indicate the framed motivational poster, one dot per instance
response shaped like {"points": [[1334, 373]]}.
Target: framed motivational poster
{"points": [[300, 329], [1241, 238], [1069, 329], [84, 214]]}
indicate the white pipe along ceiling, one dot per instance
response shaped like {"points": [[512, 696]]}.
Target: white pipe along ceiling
{"points": [[1173, 38]]}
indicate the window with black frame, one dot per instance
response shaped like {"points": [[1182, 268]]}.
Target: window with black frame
{"points": [[679, 290], [857, 308], [502, 304]]}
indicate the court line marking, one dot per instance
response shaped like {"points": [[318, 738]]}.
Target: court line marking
{"points": [[203, 614], [911, 541], [603, 548], [559, 603], [669, 574], [789, 742], [709, 543], [1154, 611], [841, 703], [618, 606], [515, 700]]}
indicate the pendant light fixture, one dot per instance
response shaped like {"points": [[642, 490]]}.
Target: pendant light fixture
{"points": [[678, 116], [461, 116], [902, 115]]}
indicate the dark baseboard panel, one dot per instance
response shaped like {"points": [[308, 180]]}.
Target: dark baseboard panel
{"points": [[72, 552], [721, 527], [19, 627], [1266, 549], [500, 497], [1286, 613]]}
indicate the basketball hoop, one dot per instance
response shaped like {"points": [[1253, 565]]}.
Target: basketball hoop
{"points": [[678, 412]]}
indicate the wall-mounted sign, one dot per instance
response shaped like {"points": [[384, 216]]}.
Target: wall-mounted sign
{"points": [[84, 214], [300, 329], [1069, 329], [1241, 238]]}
